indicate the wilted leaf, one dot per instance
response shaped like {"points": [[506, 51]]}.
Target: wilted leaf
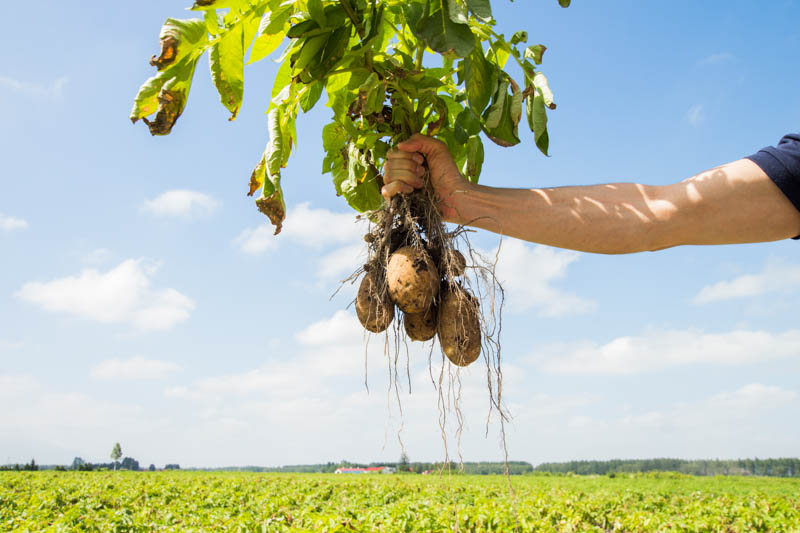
{"points": [[502, 118], [537, 119], [540, 82], [227, 69], [179, 38], [564, 3], [164, 94], [535, 53], [268, 173]]}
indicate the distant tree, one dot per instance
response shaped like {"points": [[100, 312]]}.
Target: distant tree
{"points": [[78, 463], [116, 453], [403, 464], [129, 463], [152, 468], [172, 467]]}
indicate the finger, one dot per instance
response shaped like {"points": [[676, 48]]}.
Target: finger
{"points": [[395, 187], [401, 155], [423, 144], [406, 177], [397, 165]]}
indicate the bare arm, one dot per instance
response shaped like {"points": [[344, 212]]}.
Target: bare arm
{"points": [[734, 203]]}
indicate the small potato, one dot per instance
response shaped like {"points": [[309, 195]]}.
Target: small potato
{"points": [[459, 327], [374, 313], [413, 279], [420, 326]]}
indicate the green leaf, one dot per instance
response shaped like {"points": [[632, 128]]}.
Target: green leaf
{"points": [[468, 120], [458, 11], [263, 46], [519, 37], [276, 21], [283, 80], [359, 187], [311, 96], [334, 137], [443, 35], [474, 164], [480, 79], [317, 12], [535, 53], [179, 39], [227, 69], [482, 9]]}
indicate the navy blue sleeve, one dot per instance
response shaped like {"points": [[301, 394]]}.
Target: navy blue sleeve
{"points": [[782, 164]]}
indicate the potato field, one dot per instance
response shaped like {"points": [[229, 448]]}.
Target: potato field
{"points": [[197, 501]]}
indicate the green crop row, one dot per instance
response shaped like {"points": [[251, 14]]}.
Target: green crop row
{"points": [[130, 501]]}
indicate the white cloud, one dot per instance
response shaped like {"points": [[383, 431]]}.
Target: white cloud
{"points": [[774, 277], [9, 223], [124, 294], [315, 228], [713, 59], [181, 203], [527, 274], [754, 396], [135, 368], [342, 328], [658, 350], [695, 115], [52, 90], [342, 261]]}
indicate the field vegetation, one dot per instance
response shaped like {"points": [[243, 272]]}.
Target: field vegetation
{"points": [[199, 501]]}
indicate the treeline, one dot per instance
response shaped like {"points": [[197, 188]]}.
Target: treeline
{"points": [[78, 464], [783, 467], [474, 468]]}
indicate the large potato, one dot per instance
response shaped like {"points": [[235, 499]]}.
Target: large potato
{"points": [[374, 312], [413, 279], [459, 327], [420, 326]]}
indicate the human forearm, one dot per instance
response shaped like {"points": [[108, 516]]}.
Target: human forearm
{"points": [[733, 203], [611, 219]]}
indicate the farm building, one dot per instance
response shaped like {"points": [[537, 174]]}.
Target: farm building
{"points": [[370, 470]]}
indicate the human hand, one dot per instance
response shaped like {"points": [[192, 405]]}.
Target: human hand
{"points": [[403, 172]]}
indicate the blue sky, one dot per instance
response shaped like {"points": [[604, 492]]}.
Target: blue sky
{"points": [[143, 301]]}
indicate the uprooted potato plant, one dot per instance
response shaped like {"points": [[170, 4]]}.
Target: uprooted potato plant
{"points": [[376, 62]]}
